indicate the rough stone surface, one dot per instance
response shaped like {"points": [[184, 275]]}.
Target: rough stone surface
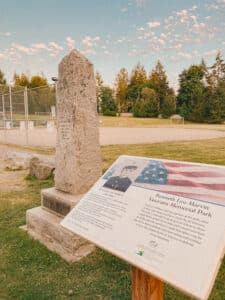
{"points": [[17, 160], [57, 202], [45, 227], [78, 161], [41, 167]]}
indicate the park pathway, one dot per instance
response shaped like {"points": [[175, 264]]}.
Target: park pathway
{"points": [[116, 135]]}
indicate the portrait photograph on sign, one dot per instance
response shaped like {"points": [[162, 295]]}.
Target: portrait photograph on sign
{"points": [[160, 216]]}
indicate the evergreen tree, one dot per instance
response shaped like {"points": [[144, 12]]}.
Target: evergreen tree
{"points": [[138, 75], [108, 106], [148, 105], [121, 87], [158, 81], [190, 99], [169, 104], [218, 70]]}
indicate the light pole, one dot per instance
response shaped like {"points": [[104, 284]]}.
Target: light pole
{"points": [[55, 80]]}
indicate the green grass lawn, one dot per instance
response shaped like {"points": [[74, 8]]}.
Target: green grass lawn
{"points": [[151, 122], [28, 271]]}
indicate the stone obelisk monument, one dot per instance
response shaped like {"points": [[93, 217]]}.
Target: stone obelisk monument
{"points": [[78, 160], [78, 163]]}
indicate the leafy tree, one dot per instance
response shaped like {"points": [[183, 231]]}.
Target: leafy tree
{"points": [[37, 81], [121, 87], [148, 105], [21, 80], [190, 99], [214, 109], [138, 75], [169, 104], [158, 81], [108, 106], [99, 84], [2, 78], [217, 73], [3, 83], [39, 100]]}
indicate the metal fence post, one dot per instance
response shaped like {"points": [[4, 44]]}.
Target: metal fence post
{"points": [[3, 109], [10, 103], [26, 113]]}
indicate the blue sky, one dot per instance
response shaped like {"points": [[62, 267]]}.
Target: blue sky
{"points": [[35, 35]]}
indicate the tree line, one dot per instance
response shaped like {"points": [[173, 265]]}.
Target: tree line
{"points": [[39, 100], [200, 97]]}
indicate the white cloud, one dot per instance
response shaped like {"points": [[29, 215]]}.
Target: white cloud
{"points": [[70, 43], [23, 49], [54, 46], [194, 7], [89, 41], [124, 9], [211, 52], [184, 55], [6, 34], [153, 24], [140, 29], [40, 46], [178, 46], [89, 51], [183, 15], [198, 28]]}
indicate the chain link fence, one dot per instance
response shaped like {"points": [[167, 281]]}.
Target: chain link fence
{"points": [[26, 113]]}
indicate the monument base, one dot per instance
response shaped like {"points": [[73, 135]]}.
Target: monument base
{"points": [[43, 224]]}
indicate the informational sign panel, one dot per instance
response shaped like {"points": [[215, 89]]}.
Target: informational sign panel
{"points": [[164, 217]]}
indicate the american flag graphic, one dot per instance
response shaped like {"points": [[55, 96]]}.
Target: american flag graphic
{"points": [[194, 181]]}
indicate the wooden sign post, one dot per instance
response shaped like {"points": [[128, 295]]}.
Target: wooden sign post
{"points": [[145, 286]]}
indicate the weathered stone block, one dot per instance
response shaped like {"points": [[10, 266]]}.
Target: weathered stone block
{"points": [[41, 167], [45, 227], [58, 202], [17, 160]]}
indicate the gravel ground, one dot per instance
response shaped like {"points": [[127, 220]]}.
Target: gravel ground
{"points": [[10, 180], [116, 135]]}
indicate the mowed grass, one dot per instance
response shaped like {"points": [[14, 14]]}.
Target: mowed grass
{"points": [[105, 121], [29, 271]]}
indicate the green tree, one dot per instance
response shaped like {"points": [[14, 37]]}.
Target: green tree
{"points": [[169, 104], [121, 87], [190, 99], [158, 81], [108, 106], [21, 80], [217, 71], [37, 81], [138, 75], [214, 108], [99, 84], [148, 105], [3, 83]]}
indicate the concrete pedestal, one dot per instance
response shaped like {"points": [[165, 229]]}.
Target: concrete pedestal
{"points": [[43, 224]]}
